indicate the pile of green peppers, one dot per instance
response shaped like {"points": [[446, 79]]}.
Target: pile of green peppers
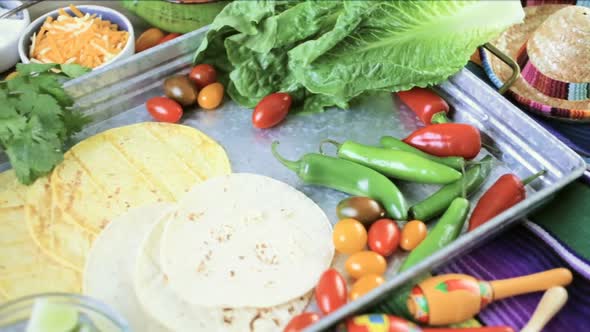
{"points": [[363, 170]]}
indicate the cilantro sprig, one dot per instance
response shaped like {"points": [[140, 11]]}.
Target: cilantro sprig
{"points": [[36, 118]]}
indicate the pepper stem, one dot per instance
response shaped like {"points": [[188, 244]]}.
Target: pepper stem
{"points": [[486, 160], [440, 117], [292, 165], [533, 177], [329, 141]]}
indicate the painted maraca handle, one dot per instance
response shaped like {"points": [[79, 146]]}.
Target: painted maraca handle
{"points": [[552, 301], [471, 329], [531, 283]]}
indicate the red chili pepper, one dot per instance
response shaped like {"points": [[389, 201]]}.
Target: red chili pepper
{"points": [[447, 140], [503, 194], [427, 105], [301, 322]]}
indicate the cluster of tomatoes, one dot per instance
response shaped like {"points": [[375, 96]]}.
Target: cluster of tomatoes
{"points": [[365, 265], [199, 86]]}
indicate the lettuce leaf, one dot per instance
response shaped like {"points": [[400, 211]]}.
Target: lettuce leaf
{"points": [[328, 52]]}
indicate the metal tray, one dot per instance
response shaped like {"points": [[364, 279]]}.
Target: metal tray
{"points": [[115, 96]]}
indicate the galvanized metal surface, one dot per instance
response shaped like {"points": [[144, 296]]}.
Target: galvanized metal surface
{"points": [[115, 96]]}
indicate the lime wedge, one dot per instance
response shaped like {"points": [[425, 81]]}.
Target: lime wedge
{"points": [[52, 317]]}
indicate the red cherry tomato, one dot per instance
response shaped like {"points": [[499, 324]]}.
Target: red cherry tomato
{"points": [[330, 293], [203, 75], [301, 322], [164, 109], [271, 110], [425, 103], [169, 37], [383, 237]]}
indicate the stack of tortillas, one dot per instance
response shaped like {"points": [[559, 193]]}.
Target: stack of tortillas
{"points": [[118, 219], [46, 229], [240, 252], [24, 268]]}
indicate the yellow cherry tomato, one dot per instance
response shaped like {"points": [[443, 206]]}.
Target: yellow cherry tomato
{"points": [[365, 285], [412, 234], [349, 236], [11, 76], [148, 39], [211, 96], [365, 262]]}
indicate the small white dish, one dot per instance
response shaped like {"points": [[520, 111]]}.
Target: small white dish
{"points": [[11, 29], [105, 13]]}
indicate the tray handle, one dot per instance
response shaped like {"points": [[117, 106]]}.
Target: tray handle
{"points": [[507, 60]]}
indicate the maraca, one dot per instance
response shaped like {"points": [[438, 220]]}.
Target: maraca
{"points": [[389, 323], [552, 301], [454, 298]]}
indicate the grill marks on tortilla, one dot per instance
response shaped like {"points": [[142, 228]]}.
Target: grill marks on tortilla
{"points": [[56, 234], [133, 165], [24, 267], [112, 172]]}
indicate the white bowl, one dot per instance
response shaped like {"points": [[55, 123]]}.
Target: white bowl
{"points": [[105, 13], [9, 47]]}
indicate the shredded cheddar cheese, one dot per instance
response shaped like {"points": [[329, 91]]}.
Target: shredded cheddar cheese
{"points": [[83, 39]]}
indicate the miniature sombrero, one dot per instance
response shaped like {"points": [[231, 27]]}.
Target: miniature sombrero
{"points": [[552, 48]]}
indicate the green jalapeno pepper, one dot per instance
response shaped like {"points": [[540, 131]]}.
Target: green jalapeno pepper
{"points": [[396, 164], [444, 232], [436, 204], [348, 177], [389, 142]]}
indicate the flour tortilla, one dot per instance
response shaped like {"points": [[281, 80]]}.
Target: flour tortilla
{"points": [[24, 268], [107, 174], [157, 298], [245, 240], [108, 275]]}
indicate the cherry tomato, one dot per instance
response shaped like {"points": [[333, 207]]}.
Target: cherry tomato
{"points": [[181, 89], [384, 237], [365, 262], [169, 37], [363, 209], [301, 322], [164, 109], [330, 293], [10, 76], [425, 103], [203, 75], [271, 110], [412, 234], [349, 236], [211, 96], [148, 39], [365, 285]]}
